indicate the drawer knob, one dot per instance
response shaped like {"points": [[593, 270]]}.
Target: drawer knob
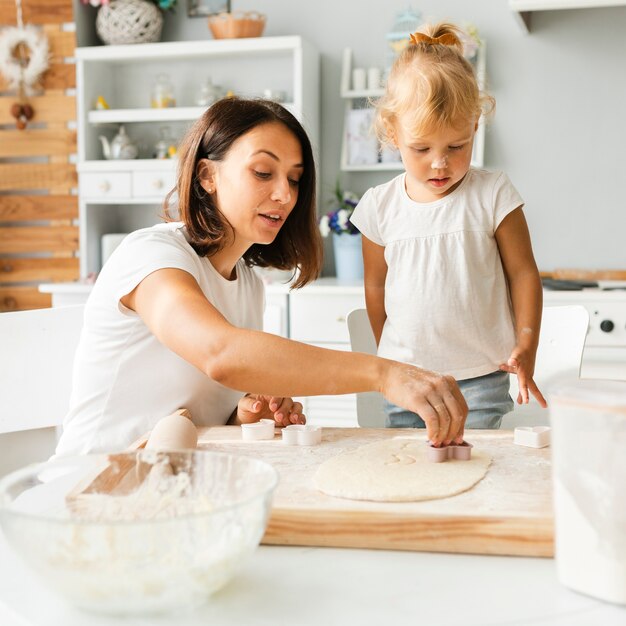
{"points": [[341, 319], [157, 183], [104, 186]]}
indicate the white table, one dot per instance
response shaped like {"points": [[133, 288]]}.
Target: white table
{"points": [[295, 586]]}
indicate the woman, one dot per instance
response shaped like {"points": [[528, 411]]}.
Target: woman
{"points": [[175, 316]]}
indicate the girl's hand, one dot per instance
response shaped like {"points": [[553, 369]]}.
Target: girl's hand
{"points": [[522, 366], [284, 411]]}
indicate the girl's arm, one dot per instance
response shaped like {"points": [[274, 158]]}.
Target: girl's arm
{"points": [[173, 307], [375, 272], [527, 297]]}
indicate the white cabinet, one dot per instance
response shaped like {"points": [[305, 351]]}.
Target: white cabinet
{"points": [[317, 315], [123, 195], [363, 99]]}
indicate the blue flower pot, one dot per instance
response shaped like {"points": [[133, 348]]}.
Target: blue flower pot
{"points": [[348, 257]]}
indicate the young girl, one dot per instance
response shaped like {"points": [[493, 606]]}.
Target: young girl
{"points": [[450, 279], [174, 319]]}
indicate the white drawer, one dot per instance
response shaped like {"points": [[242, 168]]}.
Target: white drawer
{"points": [[151, 184], [105, 185], [321, 317]]}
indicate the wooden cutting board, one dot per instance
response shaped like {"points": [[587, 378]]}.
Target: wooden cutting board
{"points": [[508, 512]]}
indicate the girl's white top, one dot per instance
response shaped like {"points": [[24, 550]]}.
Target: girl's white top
{"points": [[446, 296], [125, 379]]}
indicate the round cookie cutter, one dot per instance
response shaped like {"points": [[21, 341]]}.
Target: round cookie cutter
{"points": [[263, 429], [302, 435]]}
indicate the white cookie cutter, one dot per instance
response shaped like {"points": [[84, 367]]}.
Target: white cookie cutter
{"points": [[263, 429], [532, 436], [302, 435]]}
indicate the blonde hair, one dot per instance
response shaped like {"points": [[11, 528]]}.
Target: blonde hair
{"points": [[431, 85]]}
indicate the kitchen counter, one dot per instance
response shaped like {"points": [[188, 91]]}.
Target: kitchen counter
{"points": [[294, 586]]}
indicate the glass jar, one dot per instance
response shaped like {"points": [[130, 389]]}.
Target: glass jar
{"points": [[162, 93], [208, 94], [165, 147]]}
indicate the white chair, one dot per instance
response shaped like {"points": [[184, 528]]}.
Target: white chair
{"points": [[37, 354], [369, 406], [559, 355], [563, 332]]}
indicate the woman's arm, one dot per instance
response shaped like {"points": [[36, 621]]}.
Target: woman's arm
{"points": [[375, 271], [527, 297], [172, 305]]}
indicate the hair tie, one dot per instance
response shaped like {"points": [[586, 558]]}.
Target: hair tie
{"points": [[447, 39]]}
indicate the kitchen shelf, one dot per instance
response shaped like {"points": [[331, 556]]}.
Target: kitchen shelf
{"points": [[523, 9], [117, 196], [129, 116]]}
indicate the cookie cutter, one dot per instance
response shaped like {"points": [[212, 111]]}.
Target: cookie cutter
{"points": [[302, 435], [532, 436], [458, 451], [263, 429]]}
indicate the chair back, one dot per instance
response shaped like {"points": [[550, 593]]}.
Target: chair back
{"points": [[369, 405], [37, 355], [559, 355]]}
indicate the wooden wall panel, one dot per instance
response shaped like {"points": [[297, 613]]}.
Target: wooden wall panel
{"points": [[37, 12], [38, 208], [58, 76], [35, 142], [25, 176], [38, 270], [22, 298], [52, 107]]}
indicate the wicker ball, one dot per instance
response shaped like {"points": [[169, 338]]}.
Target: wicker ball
{"points": [[129, 21]]}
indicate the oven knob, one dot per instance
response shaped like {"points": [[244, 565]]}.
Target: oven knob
{"points": [[607, 326]]}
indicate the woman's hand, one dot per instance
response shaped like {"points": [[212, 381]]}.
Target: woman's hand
{"points": [[523, 366], [284, 411], [436, 398]]}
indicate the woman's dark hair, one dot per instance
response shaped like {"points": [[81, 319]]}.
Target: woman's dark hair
{"points": [[298, 243]]}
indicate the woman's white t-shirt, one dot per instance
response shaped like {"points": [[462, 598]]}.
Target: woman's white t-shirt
{"points": [[124, 379], [446, 295]]}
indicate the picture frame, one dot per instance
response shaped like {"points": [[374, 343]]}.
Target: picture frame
{"points": [[204, 8]]}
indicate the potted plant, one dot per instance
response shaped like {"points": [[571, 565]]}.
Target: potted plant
{"points": [[346, 236]]}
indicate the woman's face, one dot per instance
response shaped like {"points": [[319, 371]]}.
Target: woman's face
{"points": [[256, 185]]}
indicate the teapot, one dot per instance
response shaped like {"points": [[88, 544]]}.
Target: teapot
{"points": [[121, 147]]}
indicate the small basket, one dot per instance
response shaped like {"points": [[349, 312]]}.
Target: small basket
{"points": [[237, 24]]}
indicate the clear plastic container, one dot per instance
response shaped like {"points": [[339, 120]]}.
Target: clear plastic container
{"points": [[162, 95], [588, 420]]}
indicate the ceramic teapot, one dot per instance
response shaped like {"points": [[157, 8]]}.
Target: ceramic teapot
{"points": [[121, 147]]}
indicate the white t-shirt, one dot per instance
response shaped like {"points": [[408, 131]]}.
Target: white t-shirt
{"points": [[124, 379], [446, 296]]}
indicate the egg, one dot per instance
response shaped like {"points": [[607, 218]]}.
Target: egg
{"points": [[174, 432]]}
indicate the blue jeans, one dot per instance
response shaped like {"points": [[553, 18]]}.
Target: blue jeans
{"points": [[487, 397]]}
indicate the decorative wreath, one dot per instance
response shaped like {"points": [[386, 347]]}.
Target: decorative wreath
{"points": [[37, 60]]}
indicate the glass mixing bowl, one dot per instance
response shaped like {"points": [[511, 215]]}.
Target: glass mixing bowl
{"points": [[137, 532]]}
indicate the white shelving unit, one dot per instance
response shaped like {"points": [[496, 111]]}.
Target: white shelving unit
{"points": [[364, 98], [523, 9], [123, 195]]}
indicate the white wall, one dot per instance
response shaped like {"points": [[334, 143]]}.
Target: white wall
{"points": [[559, 129]]}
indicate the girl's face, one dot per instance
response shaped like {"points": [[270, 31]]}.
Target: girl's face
{"points": [[256, 185], [435, 162]]}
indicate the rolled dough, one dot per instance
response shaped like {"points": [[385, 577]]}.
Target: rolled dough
{"points": [[397, 470]]}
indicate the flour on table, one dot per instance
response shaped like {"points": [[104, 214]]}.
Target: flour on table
{"points": [[397, 470]]}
